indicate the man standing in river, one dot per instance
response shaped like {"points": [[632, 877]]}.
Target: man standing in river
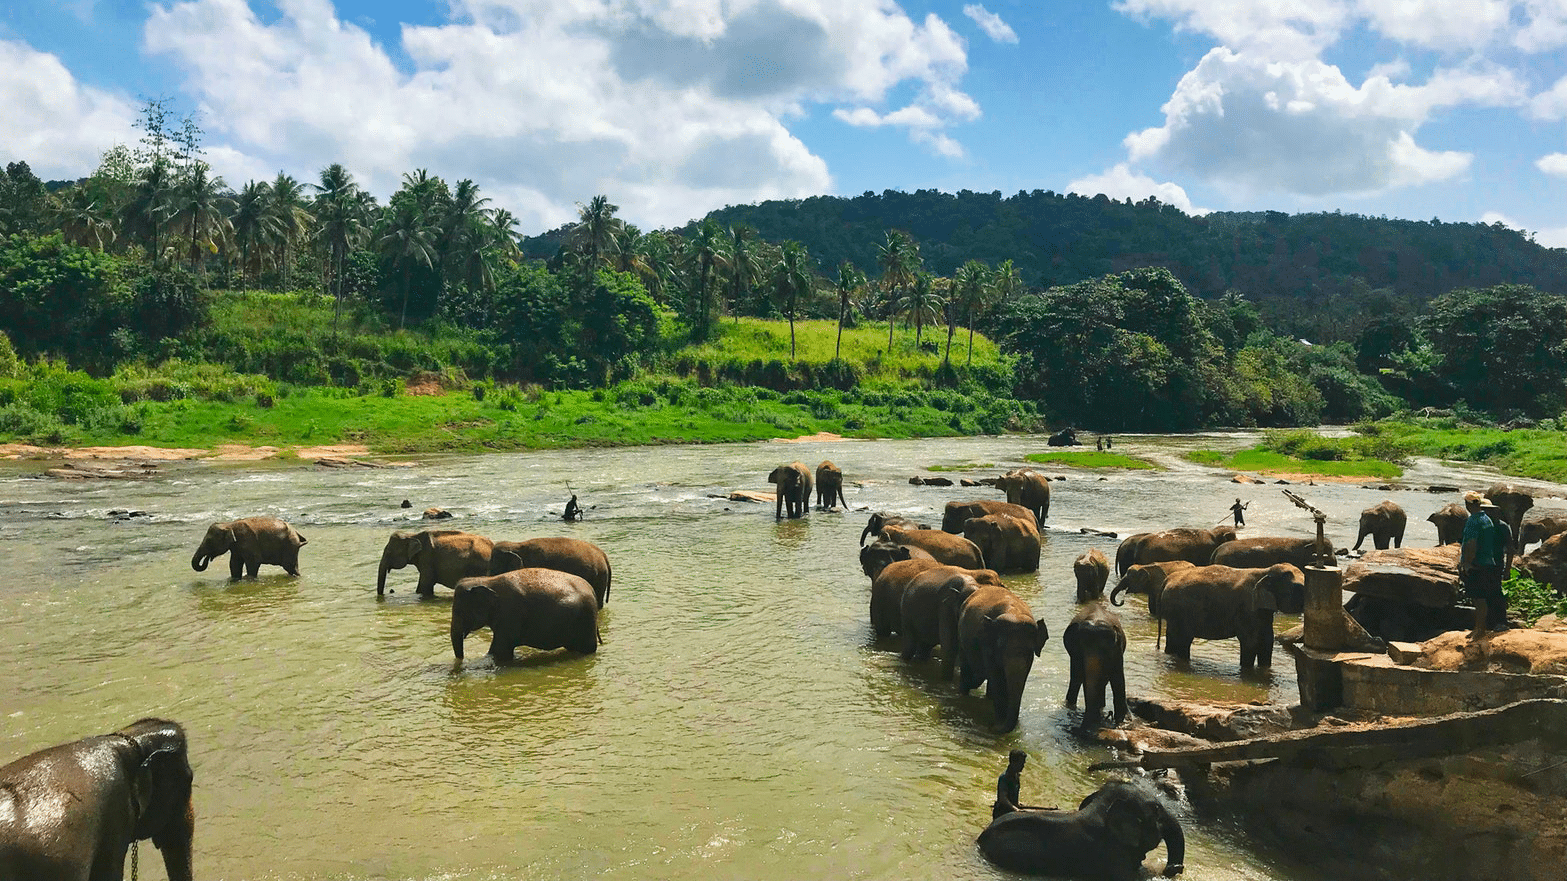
{"points": [[1480, 562], [1237, 509]]}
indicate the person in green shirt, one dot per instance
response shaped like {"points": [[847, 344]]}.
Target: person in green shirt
{"points": [[1482, 560]]}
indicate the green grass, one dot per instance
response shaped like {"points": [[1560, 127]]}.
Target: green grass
{"points": [[1091, 459], [966, 466], [1539, 453], [1268, 462]]}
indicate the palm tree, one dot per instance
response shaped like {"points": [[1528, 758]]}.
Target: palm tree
{"points": [[969, 287], [150, 205], [341, 224], [707, 250], [409, 239], [291, 216], [898, 257], [201, 208], [849, 281], [83, 220], [254, 226], [465, 230], [743, 266], [594, 234], [792, 277], [922, 299], [655, 262], [505, 224]]}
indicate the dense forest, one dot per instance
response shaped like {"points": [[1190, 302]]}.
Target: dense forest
{"points": [[1108, 314]]}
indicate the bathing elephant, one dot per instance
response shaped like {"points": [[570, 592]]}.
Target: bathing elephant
{"points": [[1096, 645], [1006, 543], [70, 812], [1548, 563], [959, 513], [1092, 570], [1220, 602], [880, 554], [1195, 546], [1384, 522], [954, 550], [1106, 837], [1514, 501], [442, 556], [1028, 488], [927, 609], [881, 520], [1066, 437], [581, 558], [1148, 579], [997, 641], [1540, 529], [888, 586], [1449, 522], [1264, 551], [538, 608], [829, 486], [250, 542], [794, 489]]}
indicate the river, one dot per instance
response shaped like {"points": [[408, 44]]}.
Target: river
{"points": [[738, 721]]}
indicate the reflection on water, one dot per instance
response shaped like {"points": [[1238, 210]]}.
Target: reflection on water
{"points": [[739, 720]]}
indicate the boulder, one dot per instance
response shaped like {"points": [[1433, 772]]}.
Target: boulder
{"points": [[1218, 722], [1244, 478], [335, 462], [938, 481], [746, 495], [1547, 564], [107, 471], [965, 481], [1424, 576], [437, 514], [1538, 652]]}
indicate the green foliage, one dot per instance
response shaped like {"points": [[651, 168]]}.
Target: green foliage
{"points": [[1091, 459], [1530, 600], [1268, 462], [1539, 453], [1503, 345]]}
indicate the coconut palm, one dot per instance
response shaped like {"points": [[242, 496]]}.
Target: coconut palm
{"points": [[970, 285], [791, 278], [706, 251], [408, 240], [922, 300], [850, 280], [201, 207], [505, 224], [83, 220], [594, 234], [899, 258], [150, 206], [291, 215], [743, 266], [340, 225], [254, 226]]}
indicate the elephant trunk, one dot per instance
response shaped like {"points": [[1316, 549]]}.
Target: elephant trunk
{"points": [[1174, 842], [380, 575], [865, 532], [457, 637], [1017, 670], [174, 842], [200, 560], [1115, 594]]}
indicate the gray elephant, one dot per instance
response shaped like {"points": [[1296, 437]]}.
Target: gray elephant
{"points": [[1384, 522], [1006, 543], [1096, 645], [888, 586], [829, 486], [881, 520], [1107, 837], [250, 542], [1540, 528], [442, 556], [1092, 570], [1029, 488], [1148, 579], [1514, 501], [581, 558], [880, 554], [1547, 564], [794, 489], [954, 550], [998, 639], [1264, 551], [70, 812], [1219, 602], [959, 513], [538, 608], [1195, 546], [927, 608], [1449, 522]]}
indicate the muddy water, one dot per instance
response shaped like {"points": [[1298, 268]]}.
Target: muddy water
{"points": [[737, 723]]}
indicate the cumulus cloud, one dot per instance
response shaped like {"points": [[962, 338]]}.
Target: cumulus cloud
{"points": [[57, 125], [1552, 103], [990, 23], [1554, 164], [1441, 24], [1546, 28], [1121, 182], [1278, 28], [672, 107]]}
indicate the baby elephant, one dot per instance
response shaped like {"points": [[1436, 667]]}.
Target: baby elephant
{"points": [[249, 543], [1106, 837], [538, 608]]}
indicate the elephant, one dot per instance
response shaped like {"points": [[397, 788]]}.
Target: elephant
{"points": [[1450, 524], [794, 489], [959, 513], [1383, 521], [954, 550], [829, 486], [1006, 543], [927, 608], [888, 586], [250, 542], [581, 558], [1514, 501], [70, 812], [442, 556], [1107, 837], [1548, 563], [997, 641], [1096, 645], [1220, 602], [1028, 488], [1092, 571], [1540, 529], [538, 608], [1264, 551], [1066, 437], [1149, 579], [880, 554], [881, 520], [1195, 546]]}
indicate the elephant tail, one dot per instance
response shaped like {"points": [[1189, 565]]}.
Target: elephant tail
{"points": [[1158, 632], [609, 576]]}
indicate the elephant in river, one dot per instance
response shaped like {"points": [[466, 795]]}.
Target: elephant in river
{"points": [[1449, 522], [959, 513], [1220, 602], [1029, 488], [794, 489], [1107, 837], [581, 558], [1195, 546], [997, 641], [881, 520], [1384, 522], [442, 556], [1006, 543], [927, 607], [888, 586], [538, 608], [1264, 551], [829, 486], [880, 554], [250, 542], [1092, 570], [1096, 645], [1540, 529], [954, 550], [70, 812], [1548, 563], [1148, 579], [1514, 501]]}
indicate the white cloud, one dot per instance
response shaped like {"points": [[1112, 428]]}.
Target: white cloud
{"points": [[1441, 24], [1554, 164], [1121, 182], [990, 23], [1552, 103], [1553, 237], [58, 126], [1547, 26], [671, 107], [1278, 28]]}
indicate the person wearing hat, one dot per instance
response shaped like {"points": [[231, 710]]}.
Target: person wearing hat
{"points": [[1482, 562]]}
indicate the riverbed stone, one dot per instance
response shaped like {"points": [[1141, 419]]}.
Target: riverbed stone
{"points": [[1547, 564], [1425, 576], [1218, 722], [1511, 651]]}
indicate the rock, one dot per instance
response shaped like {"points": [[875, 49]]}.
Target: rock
{"points": [[1138, 739], [1393, 620], [1059, 477], [1425, 576], [1281, 480], [1537, 652], [938, 481], [1219, 722], [964, 481], [988, 481], [335, 462], [437, 514], [1244, 478], [745, 495], [916, 481], [1441, 488], [407, 504], [128, 515], [81, 471], [1547, 564]]}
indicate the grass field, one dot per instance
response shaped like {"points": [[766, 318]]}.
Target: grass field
{"points": [[752, 340], [1268, 462], [1538, 453], [1090, 459]]}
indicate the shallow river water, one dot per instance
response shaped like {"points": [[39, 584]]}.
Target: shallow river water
{"points": [[738, 721]]}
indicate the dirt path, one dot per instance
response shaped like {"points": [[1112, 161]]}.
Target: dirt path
{"points": [[222, 453]]}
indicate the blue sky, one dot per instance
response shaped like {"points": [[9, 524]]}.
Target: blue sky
{"points": [[1454, 109]]}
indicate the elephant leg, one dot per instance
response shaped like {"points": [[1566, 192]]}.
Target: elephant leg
{"points": [[502, 650], [1118, 691], [1264, 651], [1177, 643], [1381, 542], [426, 586], [236, 566], [1398, 539], [252, 568], [909, 645], [1074, 679]]}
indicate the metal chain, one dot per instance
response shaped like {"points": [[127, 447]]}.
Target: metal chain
{"points": [[135, 853]]}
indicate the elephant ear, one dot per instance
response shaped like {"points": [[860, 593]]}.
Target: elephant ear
{"points": [[1069, 637], [504, 561], [224, 533], [1129, 822], [1041, 636], [419, 543]]}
